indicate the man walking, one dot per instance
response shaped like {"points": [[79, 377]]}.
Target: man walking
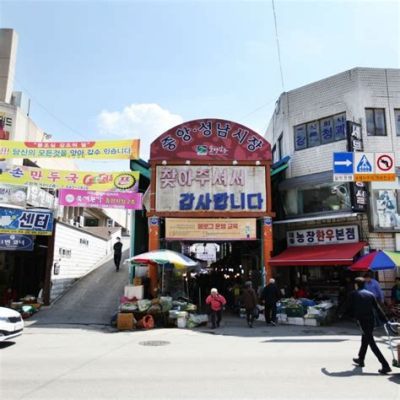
{"points": [[249, 299], [117, 253], [372, 285], [362, 306], [270, 296]]}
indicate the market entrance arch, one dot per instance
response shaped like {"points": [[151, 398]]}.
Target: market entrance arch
{"points": [[210, 183]]}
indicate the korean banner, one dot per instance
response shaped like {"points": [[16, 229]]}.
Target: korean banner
{"points": [[85, 198], [33, 222], [51, 178], [210, 188], [323, 235], [210, 229], [109, 149]]}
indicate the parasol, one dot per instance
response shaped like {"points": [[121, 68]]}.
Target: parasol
{"points": [[377, 260]]}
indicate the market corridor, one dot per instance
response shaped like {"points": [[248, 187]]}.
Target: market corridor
{"points": [[91, 301]]}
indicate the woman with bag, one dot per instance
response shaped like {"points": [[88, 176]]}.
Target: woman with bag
{"points": [[249, 300], [216, 302]]}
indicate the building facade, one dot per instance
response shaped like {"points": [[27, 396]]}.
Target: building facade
{"points": [[357, 110]]}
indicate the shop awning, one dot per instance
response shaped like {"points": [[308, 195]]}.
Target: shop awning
{"points": [[330, 254]]}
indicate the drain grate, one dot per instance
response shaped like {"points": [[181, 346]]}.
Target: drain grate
{"points": [[154, 343]]}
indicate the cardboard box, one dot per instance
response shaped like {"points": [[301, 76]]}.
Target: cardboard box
{"points": [[125, 321], [295, 321], [311, 322]]}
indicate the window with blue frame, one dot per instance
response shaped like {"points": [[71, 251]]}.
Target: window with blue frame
{"points": [[323, 131]]}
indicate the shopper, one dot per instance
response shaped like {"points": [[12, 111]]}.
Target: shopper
{"points": [[249, 300], [269, 297], [372, 285], [216, 302], [363, 304], [117, 253], [395, 293]]}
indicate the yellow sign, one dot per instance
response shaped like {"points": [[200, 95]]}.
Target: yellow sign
{"points": [[110, 149], [374, 177], [210, 228], [53, 178]]}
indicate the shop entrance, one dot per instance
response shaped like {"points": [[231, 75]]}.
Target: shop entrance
{"points": [[222, 265]]}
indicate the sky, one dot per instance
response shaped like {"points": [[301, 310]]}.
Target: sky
{"points": [[103, 70]]}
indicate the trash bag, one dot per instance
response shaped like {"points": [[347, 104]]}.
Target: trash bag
{"points": [[144, 305]]}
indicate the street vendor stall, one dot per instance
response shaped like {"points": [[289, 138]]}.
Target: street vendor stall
{"points": [[169, 305]]}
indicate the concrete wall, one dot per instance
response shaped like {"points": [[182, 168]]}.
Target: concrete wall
{"points": [[86, 251], [8, 55]]}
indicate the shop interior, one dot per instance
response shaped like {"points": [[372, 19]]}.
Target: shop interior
{"points": [[22, 273], [222, 265]]}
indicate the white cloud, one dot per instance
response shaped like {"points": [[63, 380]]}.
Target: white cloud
{"points": [[138, 121]]}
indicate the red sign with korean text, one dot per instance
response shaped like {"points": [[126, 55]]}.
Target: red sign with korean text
{"points": [[211, 139]]}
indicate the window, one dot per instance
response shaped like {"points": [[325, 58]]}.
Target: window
{"points": [[397, 121], [300, 138], [376, 125], [280, 149], [322, 131], [274, 154], [313, 137], [327, 197]]}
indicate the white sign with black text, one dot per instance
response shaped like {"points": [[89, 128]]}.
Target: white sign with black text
{"points": [[323, 235]]}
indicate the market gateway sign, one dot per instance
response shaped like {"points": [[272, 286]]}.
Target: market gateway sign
{"points": [[210, 229], [210, 188]]}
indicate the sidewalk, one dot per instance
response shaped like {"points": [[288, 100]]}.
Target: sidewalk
{"points": [[232, 325]]}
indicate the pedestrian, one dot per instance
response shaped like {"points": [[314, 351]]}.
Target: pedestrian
{"points": [[117, 253], [372, 285], [395, 292], [363, 304], [216, 302], [270, 296], [249, 300]]}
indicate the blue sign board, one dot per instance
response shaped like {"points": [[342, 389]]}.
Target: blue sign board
{"points": [[31, 222], [343, 163], [16, 242]]}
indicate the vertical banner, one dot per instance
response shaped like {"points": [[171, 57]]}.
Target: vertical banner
{"points": [[267, 246], [154, 244]]}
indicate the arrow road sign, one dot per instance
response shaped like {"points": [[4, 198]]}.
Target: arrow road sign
{"points": [[343, 163]]}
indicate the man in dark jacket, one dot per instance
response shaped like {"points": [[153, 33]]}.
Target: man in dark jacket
{"points": [[117, 253], [249, 300], [362, 306], [270, 296]]}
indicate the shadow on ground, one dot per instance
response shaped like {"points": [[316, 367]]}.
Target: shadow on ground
{"points": [[357, 371]]}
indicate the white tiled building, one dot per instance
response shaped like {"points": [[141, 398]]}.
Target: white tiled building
{"points": [[314, 121]]}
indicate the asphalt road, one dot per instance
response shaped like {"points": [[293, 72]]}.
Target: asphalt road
{"points": [[92, 300], [234, 362]]}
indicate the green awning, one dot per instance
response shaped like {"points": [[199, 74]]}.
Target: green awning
{"points": [[279, 169]]}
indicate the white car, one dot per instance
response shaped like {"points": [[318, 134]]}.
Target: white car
{"points": [[11, 324]]}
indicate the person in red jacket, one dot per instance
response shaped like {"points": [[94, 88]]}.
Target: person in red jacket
{"points": [[216, 302]]}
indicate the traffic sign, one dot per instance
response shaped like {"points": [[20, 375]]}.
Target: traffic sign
{"points": [[384, 163], [364, 163], [343, 163]]}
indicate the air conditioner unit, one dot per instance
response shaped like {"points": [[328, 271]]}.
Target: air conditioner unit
{"points": [[81, 220]]}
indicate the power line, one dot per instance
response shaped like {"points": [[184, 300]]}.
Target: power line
{"points": [[277, 45], [55, 117]]}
